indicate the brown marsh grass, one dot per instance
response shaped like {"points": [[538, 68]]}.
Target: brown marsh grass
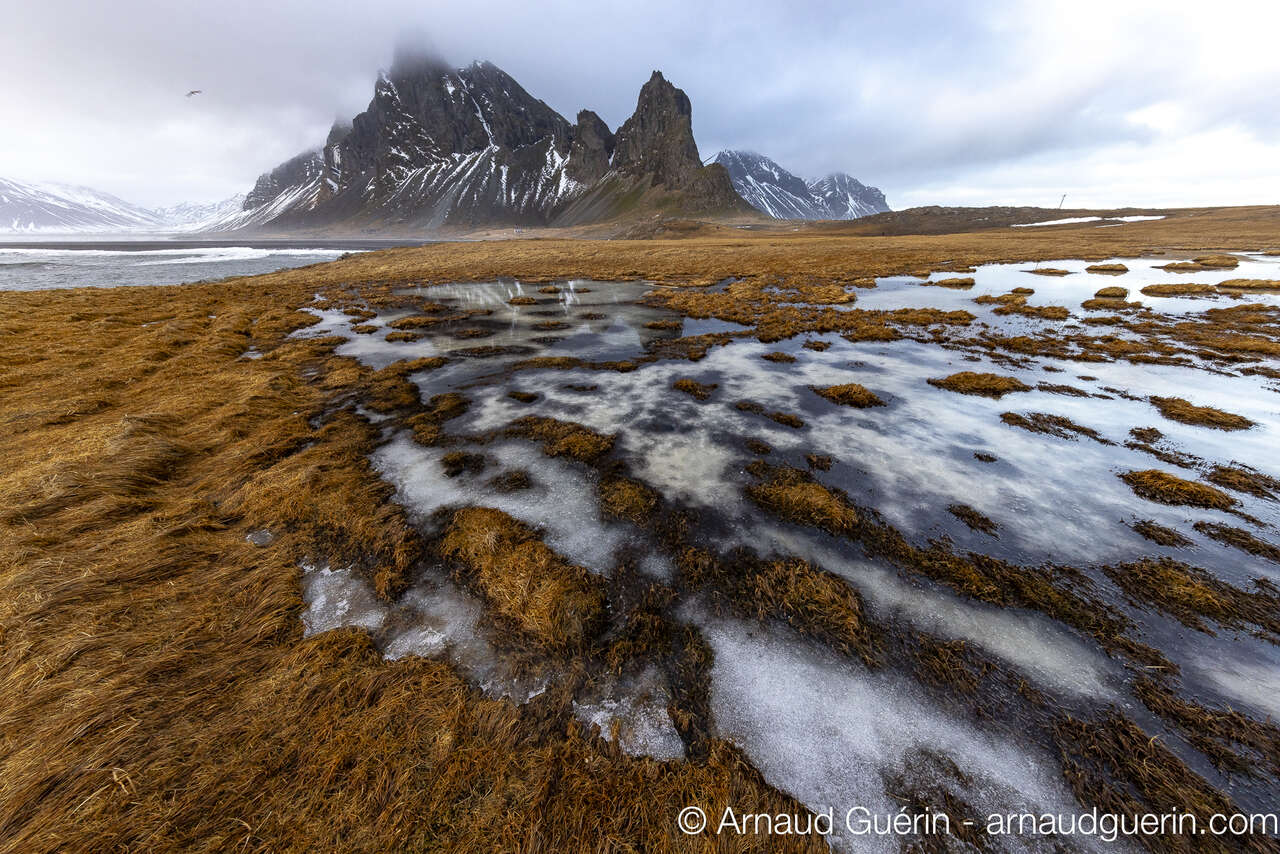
{"points": [[1165, 488], [157, 691], [1184, 411], [849, 394], [981, 384]]}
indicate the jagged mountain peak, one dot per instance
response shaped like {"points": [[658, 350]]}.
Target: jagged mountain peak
{"points": [[469, 146], [768, 187]]}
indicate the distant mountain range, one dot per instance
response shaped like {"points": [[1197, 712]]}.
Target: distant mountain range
{"points": [[442, 148], [34, 209], [768, 187]]}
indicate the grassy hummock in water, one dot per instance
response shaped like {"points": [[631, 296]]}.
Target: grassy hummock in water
{"points": [[549, 599], [1165, 488], [849, 394], [1186, 412], [982, 384]]}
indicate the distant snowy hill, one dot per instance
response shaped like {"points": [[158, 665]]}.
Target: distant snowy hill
{"points": [[768, 187], [46, 208], [190, 216], [61, 208]]}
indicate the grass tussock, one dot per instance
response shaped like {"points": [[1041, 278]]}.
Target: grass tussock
{"points": [[1160, 535], [959, 283], [1180, 289], [780, 357], [1186, 412], [1241, 479], [796, 497], [1111, 292], [1165, 488], [981, 384], [1250, 285], [562, 438], [522, 301], [553, 602], [1107, 269], [974, 519], [1052, 425], [623, 498], [1191, 595], [701, 391], [1049, 271], [811, 600], [849, 394], [1240, 539]]}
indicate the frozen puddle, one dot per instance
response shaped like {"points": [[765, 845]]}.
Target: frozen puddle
{"points": [[634, 713], [835, 736], [434, 618], [574, 529], [821, 727]]}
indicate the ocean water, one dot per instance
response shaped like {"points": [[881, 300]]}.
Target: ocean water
{"points": [[32, 266]]}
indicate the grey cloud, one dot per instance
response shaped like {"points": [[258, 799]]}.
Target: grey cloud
{"points": [[916, 98]]}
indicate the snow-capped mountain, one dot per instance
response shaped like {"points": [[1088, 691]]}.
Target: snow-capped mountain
{"points": [[27, 208], [844, 197], [32, 209], [192, 216], [768, 187], [439, 146]]}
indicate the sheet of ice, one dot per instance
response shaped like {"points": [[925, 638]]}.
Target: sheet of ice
{"points": [[827, 731], [434, 618], [562, 501], [1255, 684], [336, 598], [637, 708], [1042, 650]]}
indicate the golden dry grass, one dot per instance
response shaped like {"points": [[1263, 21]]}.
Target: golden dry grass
{"points": [[1107, 269], [701, 391], [1112, 292], [959, 283], [623, 498], [1156, 485], [981, 384], [552, 601], [1184, 411], [158, 693], [849, 394], [1181, 289]]}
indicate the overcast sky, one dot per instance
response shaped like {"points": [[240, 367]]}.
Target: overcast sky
{"points": [[1111, 101]]}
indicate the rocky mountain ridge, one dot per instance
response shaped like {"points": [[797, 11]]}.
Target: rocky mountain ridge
{"points": [[441, 147]]}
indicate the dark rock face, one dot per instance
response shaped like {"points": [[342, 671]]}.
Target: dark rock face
{"points": [[768, 187], [591, 149], [440, 146], [658, 138]]}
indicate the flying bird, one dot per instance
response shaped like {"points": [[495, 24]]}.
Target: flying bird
{"points": [[195, 92]]}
